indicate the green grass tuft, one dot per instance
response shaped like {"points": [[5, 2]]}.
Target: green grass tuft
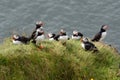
{"points": [[57, 61]]}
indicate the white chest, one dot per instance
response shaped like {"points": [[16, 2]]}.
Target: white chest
{"points": [[39, 38], [76, 37], [51, 39], [83, 45], [103, 35], [16, 42], [63, 37]]}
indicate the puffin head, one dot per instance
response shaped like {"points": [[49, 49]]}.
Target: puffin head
{"points": [[62, 32], [84, 40], [51, 35], [75, 32], [39, 24], [15, 37], [104, 27]]}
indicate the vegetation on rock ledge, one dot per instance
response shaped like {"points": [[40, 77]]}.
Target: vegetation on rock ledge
{"points": [[57, 62]]}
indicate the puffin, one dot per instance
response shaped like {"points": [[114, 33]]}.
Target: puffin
{"points": [[101, 34], [87, 45], [17, 39], [62, 36], [77, 35], [39, 25], [51, 36], [38, 36]]}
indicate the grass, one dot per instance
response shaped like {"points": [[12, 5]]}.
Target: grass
{"points": [[57, 62]]}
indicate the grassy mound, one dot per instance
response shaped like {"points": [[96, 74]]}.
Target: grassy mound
{"points": [[57, 62]]}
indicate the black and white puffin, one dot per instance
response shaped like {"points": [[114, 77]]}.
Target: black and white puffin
{"points": [[38, 36], [62, 36], [77, 35], [16, 39], [88, 46], [39, 25], [101, 34], [51, 36]]}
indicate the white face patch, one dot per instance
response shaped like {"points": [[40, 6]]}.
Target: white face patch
{"points": [[50, 35], [39, 22], [75, 32], [61, 30], [15, 36], [105, 27], [85, 39]]}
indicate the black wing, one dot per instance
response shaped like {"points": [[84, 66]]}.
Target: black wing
{"points": [[56, 37], [97, 37], [80, 34]]}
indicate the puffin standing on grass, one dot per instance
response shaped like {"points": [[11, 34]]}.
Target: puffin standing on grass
{"points": [[88, 46], [39, 36], [101, 34], [77, 35], [62, 36], [39, 25], [16, 39], [51, 36]]}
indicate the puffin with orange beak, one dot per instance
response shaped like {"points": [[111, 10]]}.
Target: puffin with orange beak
{"points": [[39, 25], [16, 39], [88, 46], [51, 36], [62, 36], [101, 34], [77, 35]]}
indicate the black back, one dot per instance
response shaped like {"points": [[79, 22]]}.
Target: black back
{"points": [[89, 45], [97, 37], [24, 39], [56, 37]]}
